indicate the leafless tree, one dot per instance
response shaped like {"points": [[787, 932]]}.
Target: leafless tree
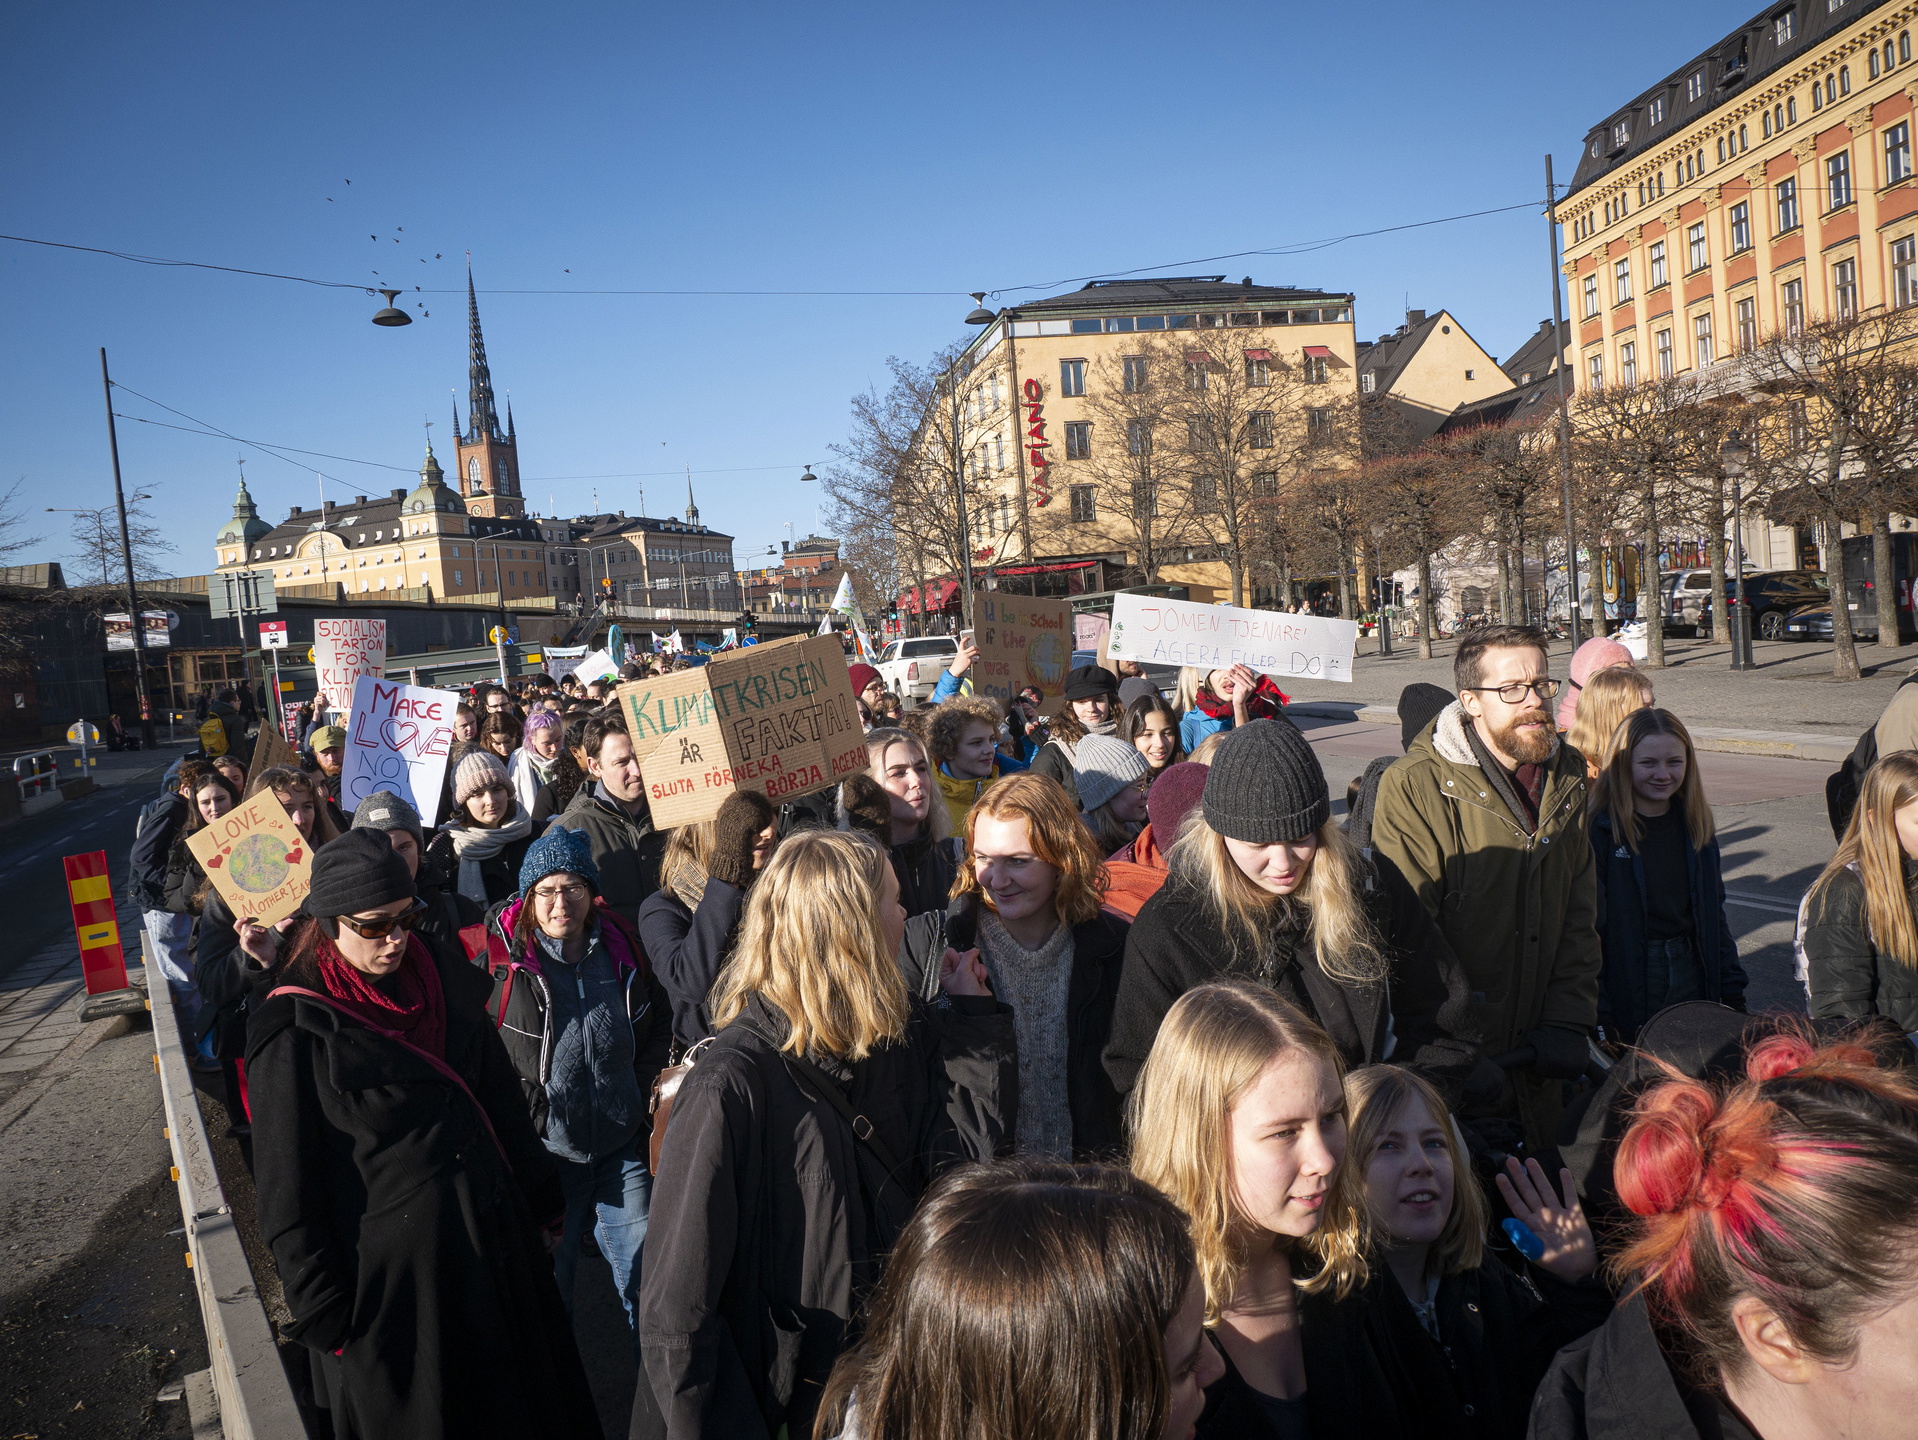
{"points": [[1420, 499], [1136, 404], [97, 554], [1506, 471], [13, 523]]}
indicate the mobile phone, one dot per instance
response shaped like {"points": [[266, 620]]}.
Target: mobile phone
{"points": [[965, 636], [962, 924]]}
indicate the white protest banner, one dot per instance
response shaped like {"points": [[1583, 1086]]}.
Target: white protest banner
{"points": [[397, 739], [1215, 637], [343, 650], [597, 666]]}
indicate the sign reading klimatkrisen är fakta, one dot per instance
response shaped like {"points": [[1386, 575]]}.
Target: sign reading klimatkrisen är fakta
{"points": [[780, 719], [256, 858]]}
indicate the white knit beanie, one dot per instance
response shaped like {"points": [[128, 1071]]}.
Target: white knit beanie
{"points": [[478, 770]]}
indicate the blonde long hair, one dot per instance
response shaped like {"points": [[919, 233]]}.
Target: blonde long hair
{"points": [[1329, 902], [1213, 1044], [1376, 1096], [1871, 846], [812, 947], [1604, 702], [1193, 681], [683, 868], [882, 738], [1614, 792]]}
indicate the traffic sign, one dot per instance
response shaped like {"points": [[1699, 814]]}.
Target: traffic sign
{"points": [[83, 732], [273, 634], [501, 634]]}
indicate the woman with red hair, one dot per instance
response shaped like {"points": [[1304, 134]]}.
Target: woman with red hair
{"points": [[1772, 1264]]}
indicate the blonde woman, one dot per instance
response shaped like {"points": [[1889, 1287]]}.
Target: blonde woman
{"points": [[1608, 697], [1263, 884], [909, 817], [1857, 938], [1240, 1119], [801, 1141]]}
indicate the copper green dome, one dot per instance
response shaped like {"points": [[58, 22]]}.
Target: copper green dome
{"points": [[246, 526], [433, 494]]}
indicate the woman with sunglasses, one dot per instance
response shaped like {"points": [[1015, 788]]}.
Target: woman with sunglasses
{"points": [[401, 1185]]}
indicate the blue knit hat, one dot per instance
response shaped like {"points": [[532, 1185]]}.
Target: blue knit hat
{"points": [[558, 850]]}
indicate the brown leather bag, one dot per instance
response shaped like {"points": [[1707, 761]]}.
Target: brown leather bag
{"points": [[665, 1090]]}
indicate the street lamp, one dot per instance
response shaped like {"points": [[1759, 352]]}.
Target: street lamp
{"points": [[980, 315], [1379, 578], [1734, 455], [808, 476], [391, 315]]}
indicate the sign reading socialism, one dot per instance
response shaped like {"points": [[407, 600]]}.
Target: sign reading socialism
{"points": [[1215, 637], [343, 650], [1023, 640], [780, 719], [256, 858]]}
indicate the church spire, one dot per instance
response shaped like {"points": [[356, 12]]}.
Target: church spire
{"points": [[480, 415], [692, 509]]}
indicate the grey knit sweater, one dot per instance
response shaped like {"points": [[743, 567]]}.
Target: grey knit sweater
{"points": [[1034, 983]]}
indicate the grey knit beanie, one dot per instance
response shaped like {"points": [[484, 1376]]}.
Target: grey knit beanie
{"points": [[385, 810], [477, 770], [1266, 785], [1103, 766]]}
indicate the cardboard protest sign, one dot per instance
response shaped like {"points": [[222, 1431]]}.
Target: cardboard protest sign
{"points": [[344, 649], [1022, 640], [779, 719], [1213, 637], [397, 739], [270, 751], [256, 858]]}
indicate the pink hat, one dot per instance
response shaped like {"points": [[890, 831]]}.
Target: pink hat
{"points": [[1594, 655], [478, 770]]}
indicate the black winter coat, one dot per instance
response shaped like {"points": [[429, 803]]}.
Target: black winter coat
{"points": [[1098, 958], [1369, 1358], [1622, 1003], [1176, 944], [687, 948], [926, 868], [499, 872], [770, 1220], [1848, 977], [626, 848], [159, 826], [1616, 1384], [399, 1231]]}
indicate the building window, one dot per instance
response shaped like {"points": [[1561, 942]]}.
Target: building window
{"points": [[1838, 179], [1662, 343], [1898, 152], [1744, 138], [1138, 438], [1194, 375], [1591, 297], [1628, 364], [1817, 96], [1621, 133], [1904, 272], [1369, 381], [1904, 47], [1318, 423], [1745, 312], [1084, 507], [1621, 282], [1791, 301], [1072, 377], [1741, 227], [1078, 439], [1768, 124], [1695, 85], [1781, 28], [1791, 110], [1657, 255], [1265, 486], [1259, 428], [1258, 372], [1844, 289], [459, 577], [1145, 500], [1134, 374], [1595, 372], [1874, 60], [1317, 370], [1844, 79], [1697, 256], [1721, 149], [1657, 113], [1787, 205], [1468, 374], [1702, 339]]}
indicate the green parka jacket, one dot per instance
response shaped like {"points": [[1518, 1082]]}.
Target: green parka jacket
{"points": [[1519, 910]]}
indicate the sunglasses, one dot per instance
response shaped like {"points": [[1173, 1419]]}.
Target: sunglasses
{"points": [[386, 925]]}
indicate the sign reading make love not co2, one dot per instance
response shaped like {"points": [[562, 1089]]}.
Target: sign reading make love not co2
{"points": [[1215, 637], [344, 649], [397, 739]]}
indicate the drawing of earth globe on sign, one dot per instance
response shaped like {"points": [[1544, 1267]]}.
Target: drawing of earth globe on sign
{"points": [[258, 863], [1046, 661]]}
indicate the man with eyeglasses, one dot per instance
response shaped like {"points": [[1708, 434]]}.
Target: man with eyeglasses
{"points": [[1485, 816]]}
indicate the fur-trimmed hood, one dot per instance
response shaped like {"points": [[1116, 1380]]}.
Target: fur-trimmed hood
{"points": [[1450, 741]]}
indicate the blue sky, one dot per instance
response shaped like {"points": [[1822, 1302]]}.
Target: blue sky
{"points": [[930, 147]]}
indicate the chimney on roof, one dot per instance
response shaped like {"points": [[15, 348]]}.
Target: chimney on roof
{"points": [[1247, 282], [359, 499], [1414, 317]]}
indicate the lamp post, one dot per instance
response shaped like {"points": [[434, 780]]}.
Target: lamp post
{"points": [[126, 556], [1733, 455], [1378, 570]]}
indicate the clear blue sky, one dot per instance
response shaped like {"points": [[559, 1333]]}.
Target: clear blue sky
{"points": [[909, 147]]}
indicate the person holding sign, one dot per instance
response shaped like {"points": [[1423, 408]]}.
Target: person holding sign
{"points": [[401, 1184], [484, 841], [1213, 701]]}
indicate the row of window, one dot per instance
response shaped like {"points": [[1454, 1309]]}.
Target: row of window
{"points": [[1261, 427], [1145, 497], [1791, 311], [1129, 324], [1314, 369]]}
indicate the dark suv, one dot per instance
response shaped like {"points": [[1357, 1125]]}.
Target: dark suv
{"points": [[1772, 595]]}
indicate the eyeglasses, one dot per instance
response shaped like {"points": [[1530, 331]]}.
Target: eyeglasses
{"points": [[386, 924], [1513, 693], [559, 892]]}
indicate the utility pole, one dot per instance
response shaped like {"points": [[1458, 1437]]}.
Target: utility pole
{"points": [[1564, 408], [126, 555]]}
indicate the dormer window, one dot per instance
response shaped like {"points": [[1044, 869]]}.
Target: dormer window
{"points": [[1784, 27], [1621, 134], [1656, 114], [1695, 85]]}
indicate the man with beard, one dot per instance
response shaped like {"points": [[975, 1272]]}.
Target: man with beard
{"points": [[1485, 816]]}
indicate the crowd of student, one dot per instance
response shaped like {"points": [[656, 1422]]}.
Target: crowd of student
{"points": [[1073, 1071]]}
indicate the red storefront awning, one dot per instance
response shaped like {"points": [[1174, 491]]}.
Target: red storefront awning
{"points": [[1320, 352], [1267, 354], [1044, 569], [940, 595]]}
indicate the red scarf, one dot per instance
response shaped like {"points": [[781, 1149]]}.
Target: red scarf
{"points": [[411, 1001], [1263, 703]]}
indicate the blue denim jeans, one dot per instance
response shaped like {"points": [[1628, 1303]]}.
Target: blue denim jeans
{"points": [[614, 1193], [172, 937]]}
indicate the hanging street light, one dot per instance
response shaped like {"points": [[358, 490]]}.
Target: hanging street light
{"points": [[392, 315], [980, 315]]}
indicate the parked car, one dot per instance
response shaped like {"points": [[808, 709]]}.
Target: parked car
{"points": [[1771, 594], [911, 668]]}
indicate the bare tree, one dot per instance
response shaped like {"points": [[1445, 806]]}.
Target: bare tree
{"points": [[1419, 497], [1506, 469], [1136, 404], [97, 554], [13, 522]]}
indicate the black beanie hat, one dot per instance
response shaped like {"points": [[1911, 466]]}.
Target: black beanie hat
{"points": [[1419, 706], [359, 871], [1266, 785], [1089, 681]]}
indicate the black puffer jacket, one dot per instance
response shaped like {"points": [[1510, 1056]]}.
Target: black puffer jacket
{"points": [[1617, 1384], [926, 868], [687, 946], [770, 1220], [1176, 943], [1848, 976]]}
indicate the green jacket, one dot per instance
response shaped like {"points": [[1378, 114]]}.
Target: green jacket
{"points": [[1519, 910]]}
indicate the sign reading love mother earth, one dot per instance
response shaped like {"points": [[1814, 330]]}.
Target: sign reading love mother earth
{"points": [[256, 858], [1023, 640], [397, 739], [1215, 637], [344, 649], [780, 719]]}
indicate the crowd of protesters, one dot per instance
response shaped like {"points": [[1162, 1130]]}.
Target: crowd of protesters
{"points": [[1071, 1070]]}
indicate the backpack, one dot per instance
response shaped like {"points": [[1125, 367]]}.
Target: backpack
{"points": [[212, 736], [1841, 786]]}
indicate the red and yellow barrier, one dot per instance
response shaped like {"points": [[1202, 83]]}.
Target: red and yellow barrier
{"points": [[96, 922]]}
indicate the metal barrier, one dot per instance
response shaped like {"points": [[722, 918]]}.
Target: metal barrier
{"points": [[256, 1403], [39, 776]]}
